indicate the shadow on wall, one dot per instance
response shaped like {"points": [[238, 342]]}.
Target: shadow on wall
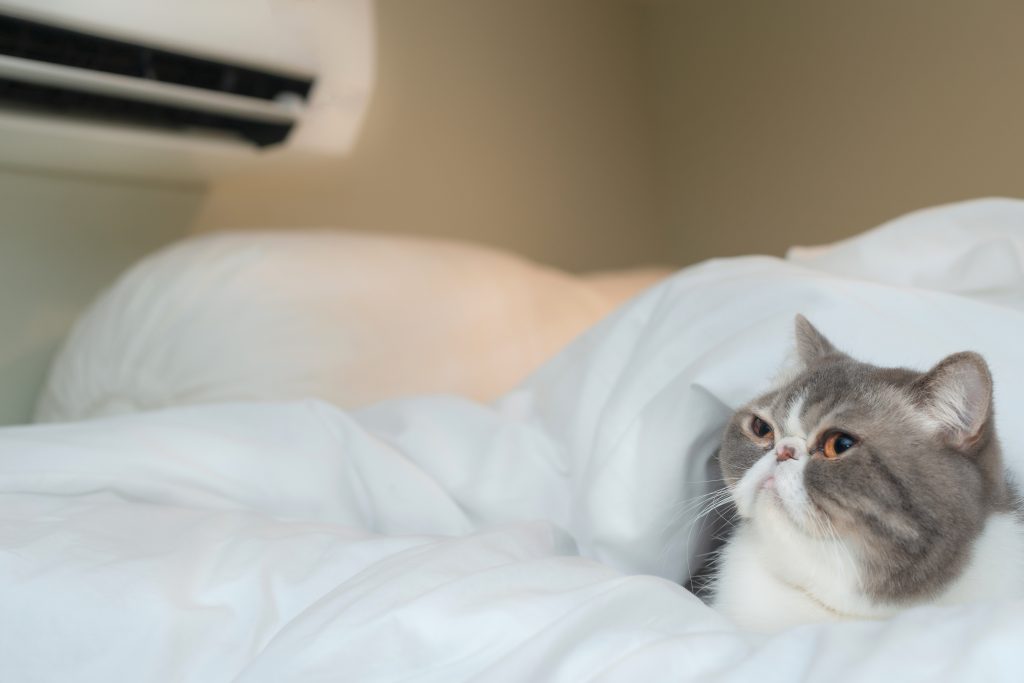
{"points": [[64, 239]]}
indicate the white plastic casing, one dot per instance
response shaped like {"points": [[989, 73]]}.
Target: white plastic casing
{"points": [[331, 41]]}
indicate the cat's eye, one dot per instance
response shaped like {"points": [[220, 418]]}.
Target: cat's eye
{"points": [[836, 444], [760, 428]]}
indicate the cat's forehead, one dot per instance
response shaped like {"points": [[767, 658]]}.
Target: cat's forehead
{"points": [[841, 387]]}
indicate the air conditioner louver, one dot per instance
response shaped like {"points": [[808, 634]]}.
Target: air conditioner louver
{"points": [[58, 71]]}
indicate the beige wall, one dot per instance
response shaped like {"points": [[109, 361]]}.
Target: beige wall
{"points": [[595, 133], [525, 124], [800, 121], [62, 239]]}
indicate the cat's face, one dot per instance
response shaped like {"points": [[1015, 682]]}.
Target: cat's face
{"points": [[903, 467]]}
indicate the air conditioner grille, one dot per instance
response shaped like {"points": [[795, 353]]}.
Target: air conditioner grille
{"points": [[60, 101], [55, 45]]}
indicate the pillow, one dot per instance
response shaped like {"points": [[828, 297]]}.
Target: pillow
{"points": [[346, 317]]}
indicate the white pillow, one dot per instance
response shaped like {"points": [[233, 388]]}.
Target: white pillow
{"points": [[346, 317]]}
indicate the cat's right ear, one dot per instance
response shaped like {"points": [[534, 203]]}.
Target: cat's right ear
{"points": [[957, 393], [811, 345]]}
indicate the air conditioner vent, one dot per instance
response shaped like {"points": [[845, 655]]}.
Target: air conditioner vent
{"points": [[54, 45], [83, 105]]}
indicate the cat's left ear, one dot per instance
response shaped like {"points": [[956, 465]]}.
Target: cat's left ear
{"points": [[957, 394], [811, 345]]}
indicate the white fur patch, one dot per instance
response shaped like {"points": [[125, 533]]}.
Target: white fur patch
{"points": [[792, 423], [749, 486]]}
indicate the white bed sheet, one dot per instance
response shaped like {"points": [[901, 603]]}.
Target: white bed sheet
{"points": [[435, 539]]}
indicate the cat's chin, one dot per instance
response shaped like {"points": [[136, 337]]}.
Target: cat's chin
{"points": [[769, 510], [772, 510]]}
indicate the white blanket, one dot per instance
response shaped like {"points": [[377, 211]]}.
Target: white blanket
{"points": [[435, 539]]}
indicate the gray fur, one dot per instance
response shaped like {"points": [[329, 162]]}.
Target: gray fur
{"points": [[910, 499], [811, 345]]}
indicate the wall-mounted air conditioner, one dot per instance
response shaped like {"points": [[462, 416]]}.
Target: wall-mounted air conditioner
{"points": [[180, 89]]}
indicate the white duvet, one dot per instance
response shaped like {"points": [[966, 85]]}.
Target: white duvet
{"points": [[541, 538]]}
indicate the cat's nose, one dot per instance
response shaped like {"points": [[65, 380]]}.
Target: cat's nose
{"points": [[784, 452]]}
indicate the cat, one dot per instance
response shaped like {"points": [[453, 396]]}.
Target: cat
{"points": [[863, 490]]}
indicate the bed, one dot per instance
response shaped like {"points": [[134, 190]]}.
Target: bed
{"points": [[544, 535]]}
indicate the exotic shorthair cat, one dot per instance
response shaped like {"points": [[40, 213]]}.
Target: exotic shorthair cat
{"points": [[863, 490]]}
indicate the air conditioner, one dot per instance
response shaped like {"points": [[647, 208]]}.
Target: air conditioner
{"points": [[180, 89]]}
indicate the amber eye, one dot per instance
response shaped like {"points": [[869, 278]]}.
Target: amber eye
{"points": [[760, 428], [837, 443]]}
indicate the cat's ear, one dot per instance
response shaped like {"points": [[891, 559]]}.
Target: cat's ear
{"points": [[957, 394], [811, 345]]}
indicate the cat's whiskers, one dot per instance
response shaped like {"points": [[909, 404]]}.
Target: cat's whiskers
{"points": [[675, 541], [717, 500], [704, 504], [680, 510]]}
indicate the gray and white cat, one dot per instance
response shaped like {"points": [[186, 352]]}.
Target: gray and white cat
{"points": [[863, 490]]}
